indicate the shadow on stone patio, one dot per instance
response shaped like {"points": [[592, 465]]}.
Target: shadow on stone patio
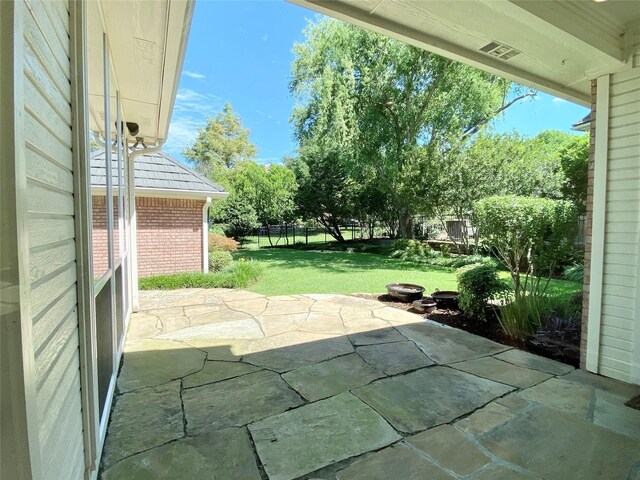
{"points": [[228, 384]]}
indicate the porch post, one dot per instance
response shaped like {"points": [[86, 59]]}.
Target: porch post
{"points": [[598, 223]]}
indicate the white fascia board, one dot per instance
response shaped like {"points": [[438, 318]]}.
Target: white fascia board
{"points": [[162, 193]]}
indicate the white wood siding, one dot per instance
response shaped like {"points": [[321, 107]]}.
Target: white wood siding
{"points": [[52, 250], [620, 333]]}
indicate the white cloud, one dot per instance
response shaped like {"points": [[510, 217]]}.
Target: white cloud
{"points": [[268, 160], [190, 101], [193, 74], [269, 116], [559, 100], [265, 37]]}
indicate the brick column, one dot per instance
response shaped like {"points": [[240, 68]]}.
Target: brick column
{"points": [[589, 221]]}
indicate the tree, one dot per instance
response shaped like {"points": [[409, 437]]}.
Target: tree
{"points": [[220, 145], [269, 190], [240, 217], [534, 233], [574, 163], [382, 103]]}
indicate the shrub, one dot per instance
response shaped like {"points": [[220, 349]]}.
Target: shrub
{"points": [[524, 315], [220, 242], [238, 275], [411, 250], [478, 284], [219, 260], [240, 217], [536, 234], [574, 272]]}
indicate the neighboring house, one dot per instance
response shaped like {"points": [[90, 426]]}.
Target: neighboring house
{"points": [[172, 205], [112, 67]]}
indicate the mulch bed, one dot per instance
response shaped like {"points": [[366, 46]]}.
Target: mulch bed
{"points": [[560, 343]]}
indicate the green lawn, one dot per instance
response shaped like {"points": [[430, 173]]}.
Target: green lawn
{"points": [[291, 271]]}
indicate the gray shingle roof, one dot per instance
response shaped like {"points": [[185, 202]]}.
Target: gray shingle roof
{"points": [[155, 170]]}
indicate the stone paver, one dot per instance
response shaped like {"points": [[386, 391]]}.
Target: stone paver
{"points": [[464, 459], [215, 371], [306, 439], [555, 445], [144, 419], [223, 455], [428, 397], [154, 362], [329, 378], [448, 345], [296, 349], [236, 402], [206, 371], [529, 360], [502, 372], [397, 461], [394, 358]]}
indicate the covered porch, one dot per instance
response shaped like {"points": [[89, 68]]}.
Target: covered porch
{"points": [[231, 384]]}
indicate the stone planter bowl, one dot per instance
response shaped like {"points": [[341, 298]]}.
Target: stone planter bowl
{"points": [[424, 305], [446, 298], [405, 292]]}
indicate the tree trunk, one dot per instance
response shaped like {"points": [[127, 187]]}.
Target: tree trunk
{"points": [[405, 227]]}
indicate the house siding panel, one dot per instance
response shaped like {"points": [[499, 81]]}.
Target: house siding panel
{"points": [[52, 251], [620, 300]]}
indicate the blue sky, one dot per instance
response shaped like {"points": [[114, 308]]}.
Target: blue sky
{"points": [[240, 51]]}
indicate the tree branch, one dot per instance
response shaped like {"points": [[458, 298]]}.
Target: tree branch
{"points": [[474, 129]]}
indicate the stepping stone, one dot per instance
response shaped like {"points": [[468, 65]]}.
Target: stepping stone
{"points": [[308, 438], [320, 322], [449, 345], [236, 402], [428, 397], [377, 336], [485, 419], [277, 324], [451, 449], [397, 461], [500, 472], [253, 306], [226, 454], [558, 393], [154, 362], [503, 372], [554, 445], [329, 378], [529, 360], [144, 419], [296, 349], [217, 371], [394, 358], [246, 329]]}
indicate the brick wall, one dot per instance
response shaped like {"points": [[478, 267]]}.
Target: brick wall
{"points": [[99, 234], [169, 235], [589, 220]]}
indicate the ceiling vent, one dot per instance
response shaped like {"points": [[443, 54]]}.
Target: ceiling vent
{"points": [[500, 50]]}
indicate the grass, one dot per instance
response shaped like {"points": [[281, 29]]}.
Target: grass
{"points": [[238, 275], [289, 271]]}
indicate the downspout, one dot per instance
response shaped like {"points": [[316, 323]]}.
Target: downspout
{"points": [[205, 235], [133, 231]]}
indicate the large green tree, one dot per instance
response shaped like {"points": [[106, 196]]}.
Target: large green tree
{"points": [[373, 101], [220, 145], [574, 163]]}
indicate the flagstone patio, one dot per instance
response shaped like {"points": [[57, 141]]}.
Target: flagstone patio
{"points": [[228, 384]]}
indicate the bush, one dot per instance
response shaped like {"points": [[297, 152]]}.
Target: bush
{"points": [[411, 250], [240, 217], [524, 315], [478, 284], [574, 273], [239, 275], [222, 243], [534, 234], [219, 260]]}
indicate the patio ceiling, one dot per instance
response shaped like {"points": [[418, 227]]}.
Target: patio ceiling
{"points": [[147, 43], [561, 45]]}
